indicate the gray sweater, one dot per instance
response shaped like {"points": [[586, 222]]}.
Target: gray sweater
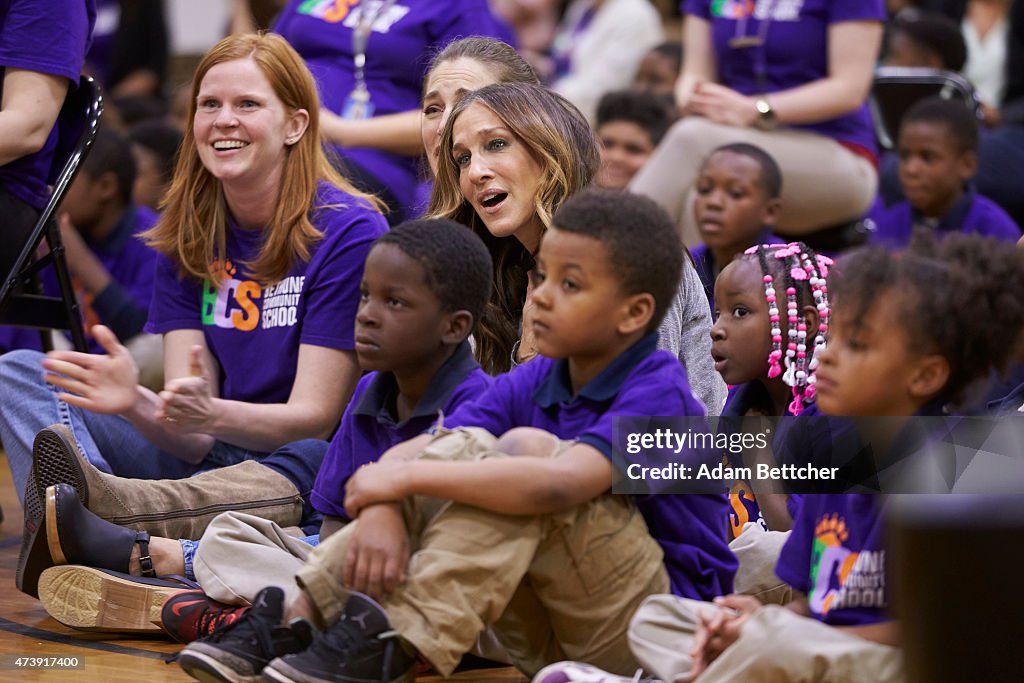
{"points": [[686, 332]]}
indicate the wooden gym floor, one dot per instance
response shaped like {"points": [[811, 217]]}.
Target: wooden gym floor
{"points": [[27, 631]]}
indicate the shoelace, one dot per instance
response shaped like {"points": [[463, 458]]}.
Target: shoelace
{"points": [[342, 638]]}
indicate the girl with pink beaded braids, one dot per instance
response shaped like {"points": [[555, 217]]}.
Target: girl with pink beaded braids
{"points": [[772, 316]]}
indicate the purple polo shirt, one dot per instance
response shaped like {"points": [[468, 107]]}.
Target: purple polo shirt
{"points": [[254, 332], [835, 555], [794, 53], [971, 214], [400, 46], [369, 426], [641, 381], [50, 38], [708, 270], [122, 305]]}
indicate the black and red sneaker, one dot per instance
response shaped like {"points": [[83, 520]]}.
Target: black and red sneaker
{"points": [[191, 615]]}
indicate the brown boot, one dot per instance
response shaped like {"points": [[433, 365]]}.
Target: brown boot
{"points": [[172, 508]]}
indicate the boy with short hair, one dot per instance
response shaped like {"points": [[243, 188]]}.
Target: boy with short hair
{"points": [[629, 125], [529, 540], [938, 151], [111, 269], [424, 287], [736, 203]]}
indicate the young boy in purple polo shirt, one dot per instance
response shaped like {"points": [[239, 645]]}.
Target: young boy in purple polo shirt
{"points": [[424, 287], [938, 152], [111, 268], [520, 532]]}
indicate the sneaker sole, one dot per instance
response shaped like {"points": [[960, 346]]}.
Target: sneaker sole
{"points": [[279, 671], [208, 669], [93, 600], [55, 461]]}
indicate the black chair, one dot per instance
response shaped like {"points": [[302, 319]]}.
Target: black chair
{"points": [[21, 303], [895, 89]]}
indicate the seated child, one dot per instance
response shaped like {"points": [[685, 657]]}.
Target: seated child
{"points": [[736, 203], [904, 341], [629, 125], [747, 345], [111, 270], [155, 145], [519, 532], [659, 71], [938, 144], [424, 287]]}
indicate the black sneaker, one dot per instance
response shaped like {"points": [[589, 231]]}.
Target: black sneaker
{"points": [[360, 647], [240, 650]]}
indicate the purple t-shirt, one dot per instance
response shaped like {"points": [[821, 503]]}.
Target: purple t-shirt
{"points": [[254, 332], [369, 426], [398, 52], [835, 555], [794, 51], [49, 38], [972, 214], [642, 381], [130, 263]]}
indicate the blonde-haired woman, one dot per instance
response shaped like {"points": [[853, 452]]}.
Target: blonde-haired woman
{"points": [[509, 156], [262, 247]]}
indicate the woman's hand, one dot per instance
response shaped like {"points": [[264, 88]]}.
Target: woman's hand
{"points": [[722, 105], [102, 384], [527, 347], [188, 405], [380, 482]]}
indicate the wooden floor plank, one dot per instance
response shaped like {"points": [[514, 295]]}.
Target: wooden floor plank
{"points": [[26, 630]]}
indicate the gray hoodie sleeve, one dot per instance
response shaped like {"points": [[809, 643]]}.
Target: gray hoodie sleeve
{"points": [[686, 333]]}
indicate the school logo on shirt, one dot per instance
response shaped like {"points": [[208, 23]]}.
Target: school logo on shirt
{"points": [[350, 12], [778, 10], [840, 577], [243, 305]]}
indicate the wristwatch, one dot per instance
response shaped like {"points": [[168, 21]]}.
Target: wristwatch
{"points": [[765, 114]]}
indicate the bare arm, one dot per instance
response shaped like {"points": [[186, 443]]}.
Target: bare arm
{"points": [[852, 51], [242, 20], [699, 58], [883, 633], [324, 381], [397, 133], [30, 105], [519, 485]]}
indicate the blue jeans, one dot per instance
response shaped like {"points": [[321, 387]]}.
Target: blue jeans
{"points": [[189, 548], [113, 445]]}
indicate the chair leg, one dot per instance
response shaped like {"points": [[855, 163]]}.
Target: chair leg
{"points": [[67, 291]]}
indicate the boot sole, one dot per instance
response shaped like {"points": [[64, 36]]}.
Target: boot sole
{"points": [[55, 461], [207, 669], [93, 600], [34, 556]]}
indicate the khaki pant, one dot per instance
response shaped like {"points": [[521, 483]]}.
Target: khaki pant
{"points": [[559, 586], [823, 183], [757, 551], [775, 645]]}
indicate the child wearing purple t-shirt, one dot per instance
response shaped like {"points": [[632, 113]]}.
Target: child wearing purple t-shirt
{"points": [[888, 356], [111, 268], [529, 541], [938, 157], [736, 205], [423, 290]]}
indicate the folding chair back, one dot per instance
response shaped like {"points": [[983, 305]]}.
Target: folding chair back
{"points": [[896, 89], [20, 304]]}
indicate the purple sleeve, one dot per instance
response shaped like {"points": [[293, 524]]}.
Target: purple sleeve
{"points": [[494, 409], [63, 27], [474, 18], [338, 264], [856, 10], [328, 495], [176, 301], [698, 8], [475, 384], [794, 563]]}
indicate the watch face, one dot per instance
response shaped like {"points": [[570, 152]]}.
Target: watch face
{"points": [[763, 107]]}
